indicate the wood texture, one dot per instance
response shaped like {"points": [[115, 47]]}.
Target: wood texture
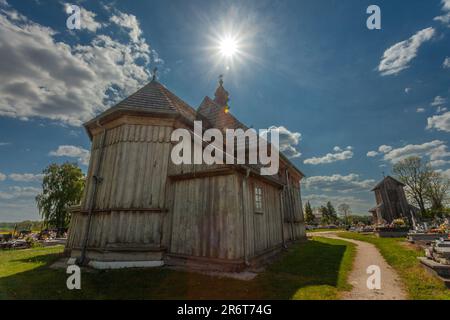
{"points": [[205, 211]]}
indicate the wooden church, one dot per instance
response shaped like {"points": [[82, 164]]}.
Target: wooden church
{"points": [[139, 209]]}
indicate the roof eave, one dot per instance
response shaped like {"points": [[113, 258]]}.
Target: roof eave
{"points": [[117, 111]]}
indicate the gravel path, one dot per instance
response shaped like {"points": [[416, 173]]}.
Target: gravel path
{"points": [[366, 255]]}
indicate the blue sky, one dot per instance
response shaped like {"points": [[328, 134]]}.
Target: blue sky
{"points": [[351, 101]]}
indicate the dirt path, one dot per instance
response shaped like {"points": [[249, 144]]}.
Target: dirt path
{"points": [[366, 255]]}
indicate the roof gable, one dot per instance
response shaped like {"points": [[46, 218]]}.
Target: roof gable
{"points": [[382, 182], [156, 97]]}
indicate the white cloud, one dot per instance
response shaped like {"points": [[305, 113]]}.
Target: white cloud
{"points": [[445, 18], [4, 144], [338, 155], [446, 63], [2, 177], [420, 110], [439, 122], [446, 173], [129, 22], [18, 203], [321, 199], [384, 148], [435, 150], [288, 141], [41, 77], [87, 19], [446, 5], [439, 163], [372, 154], [438, 101], [25, 177], [407, 90], [441, 109], [19, 192], [397, 57], [338, 183], [82, 155]]}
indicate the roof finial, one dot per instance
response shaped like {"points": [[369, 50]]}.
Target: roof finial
{"points": [[221, 95], [155, 70]]}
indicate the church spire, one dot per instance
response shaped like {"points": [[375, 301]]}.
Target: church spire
{"points": [[221, 95]]}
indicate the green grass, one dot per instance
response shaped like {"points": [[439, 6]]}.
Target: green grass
{"points": [[403, 258], [316, 269]]}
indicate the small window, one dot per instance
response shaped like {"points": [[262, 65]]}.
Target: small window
{"points": [[258, 199]]}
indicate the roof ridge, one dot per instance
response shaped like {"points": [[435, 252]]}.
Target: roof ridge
{"points": [[170, 96], [171, 104]]}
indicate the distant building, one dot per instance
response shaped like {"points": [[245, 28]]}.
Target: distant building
{"points": [[391, 202], [317, 215]]}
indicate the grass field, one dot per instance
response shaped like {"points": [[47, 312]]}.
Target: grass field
{"points": [[403, 258], [316, 269], [324, 230]]}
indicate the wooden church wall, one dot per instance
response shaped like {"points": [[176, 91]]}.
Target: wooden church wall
{"points": [[294, 227], [134, 167], [130, 200], [205, 218], [263, 228]]}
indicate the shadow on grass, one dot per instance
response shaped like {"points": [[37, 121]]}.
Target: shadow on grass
{"points": [[314, 266]]}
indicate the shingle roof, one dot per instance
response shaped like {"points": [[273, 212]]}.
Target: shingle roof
{"points": [[157, 97], [379, 184], [217, 117]]}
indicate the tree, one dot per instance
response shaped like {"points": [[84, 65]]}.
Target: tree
{"points": [[62, 187], [331, 211], [309, 216], [415, 174], [436, 191], [344, 210], [328, 214], [325, 217]]}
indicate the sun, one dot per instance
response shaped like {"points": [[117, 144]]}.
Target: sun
{"points": [[228, 46]]}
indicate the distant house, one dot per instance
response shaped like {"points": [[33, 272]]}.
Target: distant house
{"points": [[141, 209], [391, 202], [317, 215]]}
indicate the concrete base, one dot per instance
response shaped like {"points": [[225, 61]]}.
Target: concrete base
{"points": [[116, 257], [425, 237], [441, 271], [111, 255], [103, 265]]}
